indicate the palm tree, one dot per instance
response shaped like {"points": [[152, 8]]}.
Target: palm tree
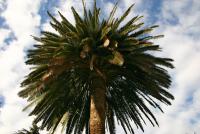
{"points": [[33, 130], [89, 75]]}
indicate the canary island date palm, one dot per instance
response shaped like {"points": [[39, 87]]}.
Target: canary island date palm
{"points": [[33, 130], [89, 75]]}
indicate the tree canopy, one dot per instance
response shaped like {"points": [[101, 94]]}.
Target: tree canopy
{"points": [[67, 64]]}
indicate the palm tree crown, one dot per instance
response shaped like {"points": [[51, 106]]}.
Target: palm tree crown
{"points": [[95, 52]]}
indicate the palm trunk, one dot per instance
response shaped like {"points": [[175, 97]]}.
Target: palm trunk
{"points": [[97, 108]]}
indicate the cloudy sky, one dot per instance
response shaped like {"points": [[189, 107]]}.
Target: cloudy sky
{"points": [[179, 21]]}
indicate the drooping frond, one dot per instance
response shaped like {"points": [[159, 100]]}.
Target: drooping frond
{"points": [[33, 130], [66, 63]]}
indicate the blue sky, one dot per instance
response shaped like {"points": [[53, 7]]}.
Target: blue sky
{"points": [[178, 20]]}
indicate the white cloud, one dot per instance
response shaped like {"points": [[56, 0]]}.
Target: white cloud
{"points": [[2, 4], [4, 34], [22, 20], [21, 16]]}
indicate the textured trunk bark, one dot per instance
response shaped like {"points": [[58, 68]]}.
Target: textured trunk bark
{"points": [[97, 108]]}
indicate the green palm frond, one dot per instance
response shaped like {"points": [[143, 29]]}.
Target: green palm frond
{"points": [[33, 130], [66, 64]]}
